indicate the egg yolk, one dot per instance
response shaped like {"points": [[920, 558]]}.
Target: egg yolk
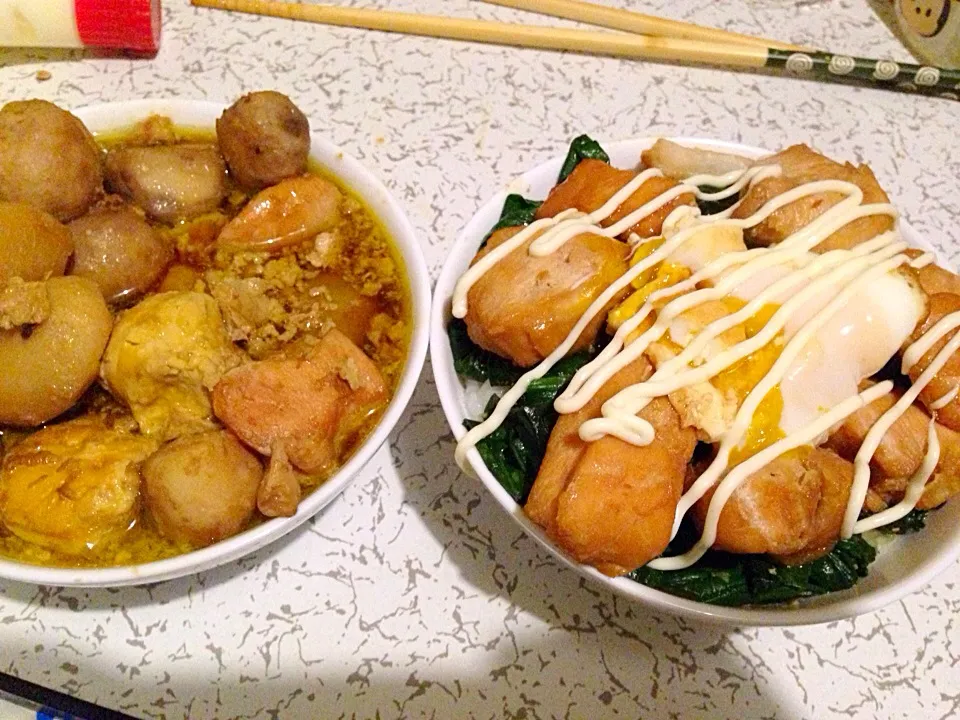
{"points": [[743, 376], [666, 274]]}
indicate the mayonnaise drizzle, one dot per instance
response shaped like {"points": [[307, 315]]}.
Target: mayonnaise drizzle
{"points": [[861, 463], [740, 473], [846, 272], [947, 398], [915, 486]]}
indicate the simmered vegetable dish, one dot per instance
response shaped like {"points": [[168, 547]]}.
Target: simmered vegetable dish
{"points": [[196, 330]]}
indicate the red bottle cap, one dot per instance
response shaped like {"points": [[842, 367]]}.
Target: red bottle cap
{"points": [[119, 24]]}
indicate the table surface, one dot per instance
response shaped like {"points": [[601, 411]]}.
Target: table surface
{"points": [[414, 594]]}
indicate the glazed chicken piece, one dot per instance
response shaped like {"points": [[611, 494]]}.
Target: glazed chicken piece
{"points": [[791, 508], [525, 306], [593, 182], [164, 357], [802, 165], [609, 503], [900, 454], [73, 486], [933, 278], [948, 377], [312, 404], [285, 214]]}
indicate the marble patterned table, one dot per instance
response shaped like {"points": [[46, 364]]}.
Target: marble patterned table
{"points": [[414, 595]]}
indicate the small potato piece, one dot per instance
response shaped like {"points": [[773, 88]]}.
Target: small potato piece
{"points": [[72, 486], [680, 161], [201, 488], [165, 355], [169, 182], [285, 214], [264, 138], [119, 251], [33, 244], [45, 369], [48, 159]]}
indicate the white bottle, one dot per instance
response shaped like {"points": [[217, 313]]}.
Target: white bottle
{"points": [[119, 24]]}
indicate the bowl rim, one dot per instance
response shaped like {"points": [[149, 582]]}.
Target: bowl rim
{"points": [[105, 117], [449, 388]]}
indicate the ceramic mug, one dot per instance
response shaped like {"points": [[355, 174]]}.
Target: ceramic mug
{"points": [[931, 29]]}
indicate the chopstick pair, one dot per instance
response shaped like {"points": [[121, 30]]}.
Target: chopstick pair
{"points": [[673, 41]]}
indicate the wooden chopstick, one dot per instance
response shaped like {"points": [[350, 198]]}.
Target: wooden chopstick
{"points": [[486, 31], [632, 21], [812, 65]]}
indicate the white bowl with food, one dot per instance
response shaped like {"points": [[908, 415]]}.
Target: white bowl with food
{"points": [[634, 318], [216, 319]]}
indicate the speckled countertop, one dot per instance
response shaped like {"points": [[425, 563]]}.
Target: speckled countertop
{"points": [[414, 595]]}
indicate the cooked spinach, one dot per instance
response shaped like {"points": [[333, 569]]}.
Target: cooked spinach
{"points": [[582, 148], [514, 451], [472, 361], [517, 210], [712, 207], [912, 522], [725, 579]]}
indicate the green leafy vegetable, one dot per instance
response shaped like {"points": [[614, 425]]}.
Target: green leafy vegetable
{"points": [[725, 579], [517, 210], [472, 361], [912, 522], [712, 207], [514, 451], [582, 148], [714, 585]]}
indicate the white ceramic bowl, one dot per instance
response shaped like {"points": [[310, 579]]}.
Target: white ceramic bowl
{"points": [[903, 567], [101, 118]]}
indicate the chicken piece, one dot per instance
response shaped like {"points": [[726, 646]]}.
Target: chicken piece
{"points": [[285, 214], [201, 488], [900, 454], [609, 503], [948, 377], [802, 165], [593, 182], [279, 492], [74, 486], [680, 162], [824, 531], [793, 507], [165, 355], [525, 306], [314, 405], [933, 278]]}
